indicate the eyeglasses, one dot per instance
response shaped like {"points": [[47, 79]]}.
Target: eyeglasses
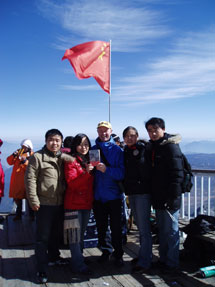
{"points": [[84, 145]]}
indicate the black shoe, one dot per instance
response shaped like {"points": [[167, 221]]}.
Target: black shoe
{"points": [[158, 265], [104, 257], [134, 261], [42, 277], [85, 271], [118, 262], [139, 270]]}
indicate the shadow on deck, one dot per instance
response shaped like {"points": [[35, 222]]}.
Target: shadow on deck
{"points": [[17, 264]]}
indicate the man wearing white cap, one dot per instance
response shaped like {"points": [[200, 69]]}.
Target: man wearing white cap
{"points": [[108, 196]]}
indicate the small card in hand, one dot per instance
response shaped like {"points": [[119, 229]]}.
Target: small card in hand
{"points": [[94, 156]]}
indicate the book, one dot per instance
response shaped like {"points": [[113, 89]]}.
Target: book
{"points": [[94, 156]]}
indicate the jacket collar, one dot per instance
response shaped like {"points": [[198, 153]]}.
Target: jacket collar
{"points": [[167, 138], [49, 154], [107, 143]]}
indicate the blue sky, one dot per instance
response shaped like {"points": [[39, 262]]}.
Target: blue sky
{"points": [[163, 64]]}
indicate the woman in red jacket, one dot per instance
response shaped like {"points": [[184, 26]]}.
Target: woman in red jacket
{"points": [[78, 199]]}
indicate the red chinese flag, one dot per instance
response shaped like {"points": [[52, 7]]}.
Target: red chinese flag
{"points": [[91, 59]]}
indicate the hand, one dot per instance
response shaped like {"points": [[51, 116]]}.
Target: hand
{"points": [[173, 204], [15, 153], [101, 167], [35, 207], [89, 167], [22, 158]]}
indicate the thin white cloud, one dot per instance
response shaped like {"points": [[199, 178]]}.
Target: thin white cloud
{"points": [[188, 71], [129, 27]]}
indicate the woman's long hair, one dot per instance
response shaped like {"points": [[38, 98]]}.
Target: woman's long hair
{"points": [[76, 142]]}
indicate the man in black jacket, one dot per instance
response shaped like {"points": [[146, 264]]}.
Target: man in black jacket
{"points": [[165, 175]]}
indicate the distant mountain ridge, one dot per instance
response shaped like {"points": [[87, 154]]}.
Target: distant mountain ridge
{"points": [[198, 147]]}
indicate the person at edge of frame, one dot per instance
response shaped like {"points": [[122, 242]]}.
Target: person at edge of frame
{"points": [[164, 162]]}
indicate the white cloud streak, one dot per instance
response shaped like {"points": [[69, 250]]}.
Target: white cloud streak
{"points": [[188, 71], [129, 27]]}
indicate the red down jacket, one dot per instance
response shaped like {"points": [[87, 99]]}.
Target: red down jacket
{"points": [[79, 191]]}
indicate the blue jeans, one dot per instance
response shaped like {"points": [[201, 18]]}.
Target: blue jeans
{"points": [[141, 209], [168, 232], [77, 248]]}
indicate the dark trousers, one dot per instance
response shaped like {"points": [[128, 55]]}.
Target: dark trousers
{"points": [[110, 210], [49, 228]]}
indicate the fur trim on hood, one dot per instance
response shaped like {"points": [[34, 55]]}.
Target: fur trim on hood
{"points": [[172, 139], [67, 157]]}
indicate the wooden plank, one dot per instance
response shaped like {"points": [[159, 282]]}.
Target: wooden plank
{"points": [[15, 262], [192, 281], [113, 276], [17, 266]]}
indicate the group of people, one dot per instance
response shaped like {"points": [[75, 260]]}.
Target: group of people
{"points": [[62, 185]]}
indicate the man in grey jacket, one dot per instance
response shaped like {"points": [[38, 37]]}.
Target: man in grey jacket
{"points": [[44, 181]]}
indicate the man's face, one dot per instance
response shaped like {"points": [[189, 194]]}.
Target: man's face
{"points": [[104, 133], [155, 132], [53, 143]]}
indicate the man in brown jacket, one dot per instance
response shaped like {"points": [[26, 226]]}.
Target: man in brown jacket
{"points": [[44, 181]]}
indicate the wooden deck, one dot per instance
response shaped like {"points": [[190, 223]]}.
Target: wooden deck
{"points": [[17, 264]]}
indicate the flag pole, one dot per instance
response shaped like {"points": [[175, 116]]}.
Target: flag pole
{"points": [[110, 81]]}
